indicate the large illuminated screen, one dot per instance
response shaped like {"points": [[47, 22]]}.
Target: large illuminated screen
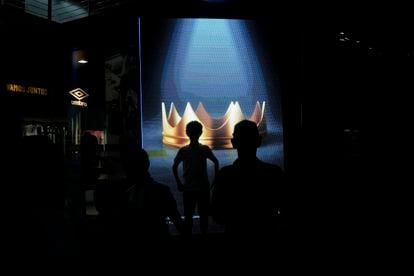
{"points": [[215, 71]]}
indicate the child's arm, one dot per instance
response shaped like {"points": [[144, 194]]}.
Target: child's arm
{"points": [[213, 158], [177, 161]]}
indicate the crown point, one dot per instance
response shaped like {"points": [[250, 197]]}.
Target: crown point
{"points": [[217, 132]]}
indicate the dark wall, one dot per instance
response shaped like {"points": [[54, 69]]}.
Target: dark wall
{"points": [[100, 37], [355, 118], [32, 55]]}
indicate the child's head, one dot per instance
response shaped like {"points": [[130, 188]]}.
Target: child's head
{"points": [[194, 129]]}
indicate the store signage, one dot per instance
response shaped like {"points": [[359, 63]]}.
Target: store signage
{"points": [[79, 95], [18, 88]]}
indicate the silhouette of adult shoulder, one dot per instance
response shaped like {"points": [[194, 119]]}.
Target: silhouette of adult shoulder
{"points": [[43, 227], [246, 195], [148, 203]]}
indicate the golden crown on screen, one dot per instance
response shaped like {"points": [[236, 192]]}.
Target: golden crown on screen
{"points": [[217, 132]]}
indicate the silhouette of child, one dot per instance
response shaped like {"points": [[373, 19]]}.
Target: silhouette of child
{"points": [[196, 186]]}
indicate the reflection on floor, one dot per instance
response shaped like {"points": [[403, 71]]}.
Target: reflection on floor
{"points": [[213, 227]]}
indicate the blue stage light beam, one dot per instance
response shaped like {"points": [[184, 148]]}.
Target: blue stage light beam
{"points": [[212, 61]]}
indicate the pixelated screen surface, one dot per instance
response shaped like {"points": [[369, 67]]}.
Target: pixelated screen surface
{"points": [[215, 71]]}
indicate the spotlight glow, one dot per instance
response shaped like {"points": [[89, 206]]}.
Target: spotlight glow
{"points": [[219, 67], [212, 61]]}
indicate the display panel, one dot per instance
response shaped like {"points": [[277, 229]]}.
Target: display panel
{"points": [[215, 71]]}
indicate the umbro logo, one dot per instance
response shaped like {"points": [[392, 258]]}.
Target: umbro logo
{"points": [[78, 94]]}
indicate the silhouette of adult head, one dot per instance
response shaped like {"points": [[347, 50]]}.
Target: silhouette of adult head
{"points": [[246, 139], [194, 129], [136, 163], [89, 141], [89, 159], [89, 148]]}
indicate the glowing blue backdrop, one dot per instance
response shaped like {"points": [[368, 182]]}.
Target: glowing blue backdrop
{"points": [[213, 61]]}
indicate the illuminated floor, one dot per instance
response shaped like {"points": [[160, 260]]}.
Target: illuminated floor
{"points": [[213, 227]]}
